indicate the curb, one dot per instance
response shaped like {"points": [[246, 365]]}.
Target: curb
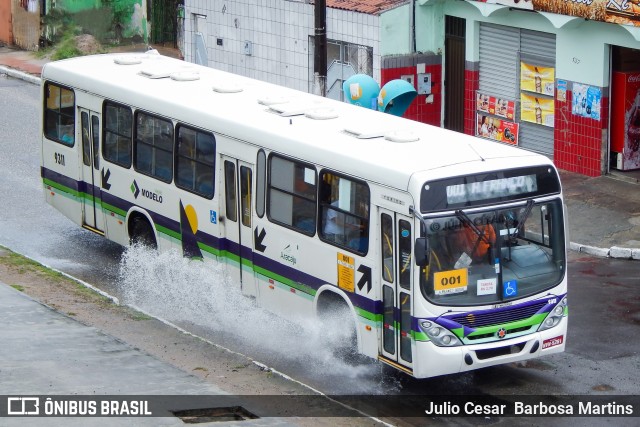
{"points": [[20, 75], [612, 252]]}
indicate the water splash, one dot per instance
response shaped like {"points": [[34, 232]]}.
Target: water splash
{"points": [[201, 297]]}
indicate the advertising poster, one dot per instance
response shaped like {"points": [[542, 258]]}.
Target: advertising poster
{"points": [[586, 101], [505, 108], [561, 91], [484, 101], [534, 78], [492, 105], [536, 109], [497, 129]]}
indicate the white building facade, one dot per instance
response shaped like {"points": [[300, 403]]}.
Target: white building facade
{"points": [[272, 40]]}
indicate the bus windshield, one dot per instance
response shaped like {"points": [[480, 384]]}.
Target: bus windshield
{"points": [[494, 255]]}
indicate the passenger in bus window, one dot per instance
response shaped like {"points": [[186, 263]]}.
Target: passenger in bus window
{"points": [[358, 235], [334, 223], [66, 130], [338, 226], [467, 247]]}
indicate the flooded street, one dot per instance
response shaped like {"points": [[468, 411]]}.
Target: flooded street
{"points": [[602, 356]]}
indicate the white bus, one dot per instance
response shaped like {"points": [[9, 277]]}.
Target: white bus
{"points": [[446, 252]]}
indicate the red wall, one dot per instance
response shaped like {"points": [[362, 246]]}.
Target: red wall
{"points": [[419, 110], [471, 77], [579, 140]]}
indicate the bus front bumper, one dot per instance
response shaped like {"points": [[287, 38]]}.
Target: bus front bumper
{"points": [[432, 360]]}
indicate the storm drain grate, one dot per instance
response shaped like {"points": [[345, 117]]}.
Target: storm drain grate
{"points": [[208, 415]]}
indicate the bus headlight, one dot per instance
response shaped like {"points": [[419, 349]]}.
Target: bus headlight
{"points": [[439, 335], [555, 316]]}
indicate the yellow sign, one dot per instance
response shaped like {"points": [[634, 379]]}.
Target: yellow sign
{"points": [[537, 79], [536, 109], [346, 272], [450, 281]]}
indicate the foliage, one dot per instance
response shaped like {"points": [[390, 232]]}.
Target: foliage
{"points": [[54, 21], [67, 48]]}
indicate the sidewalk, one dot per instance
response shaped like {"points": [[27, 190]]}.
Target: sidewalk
{"points": [[604, 212], [47, 353]]}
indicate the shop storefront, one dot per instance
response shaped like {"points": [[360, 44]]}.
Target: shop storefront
{"points": [[561, 78], [514, 100]]}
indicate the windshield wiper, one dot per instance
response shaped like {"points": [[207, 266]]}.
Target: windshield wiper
{"points": [[466, 221], [525, 216]]}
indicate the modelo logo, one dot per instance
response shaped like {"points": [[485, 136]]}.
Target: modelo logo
{"points": [[145, 193], [151, 195]]}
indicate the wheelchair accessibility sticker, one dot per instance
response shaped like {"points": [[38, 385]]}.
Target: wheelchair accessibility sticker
{"points": [[510, 289]]}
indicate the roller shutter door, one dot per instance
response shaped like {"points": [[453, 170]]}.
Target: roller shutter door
{"points": [[501, 49], [498, 65]]}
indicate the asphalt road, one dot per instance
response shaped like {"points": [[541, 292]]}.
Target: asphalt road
{"points": [[603, 350]]}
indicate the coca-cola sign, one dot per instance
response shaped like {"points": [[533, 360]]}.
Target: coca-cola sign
{"points": [[634, 78]]}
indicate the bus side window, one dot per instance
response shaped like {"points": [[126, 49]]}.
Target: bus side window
{"points": [[292, 194], [195, 161], [387, 247], [116, 146], [59, 114], [261, 171], [231, 193], [153, 151], [344, 212]]}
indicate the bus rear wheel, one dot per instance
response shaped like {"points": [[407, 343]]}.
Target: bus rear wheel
{"points": [[142, 233]]}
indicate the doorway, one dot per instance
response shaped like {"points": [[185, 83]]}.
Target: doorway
{"points": [[454, 67]]}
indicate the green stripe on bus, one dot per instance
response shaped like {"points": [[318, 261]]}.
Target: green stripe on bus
{"points": [[62, 190], [419, 336], [168, 232], [209, 249], [60, 187], [110, 208], [376, 318], [278, 278]]}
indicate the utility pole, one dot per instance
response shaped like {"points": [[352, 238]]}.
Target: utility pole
{"points": [[320, 48]]}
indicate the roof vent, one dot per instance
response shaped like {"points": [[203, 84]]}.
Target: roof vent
{"points": [[322, 113], [401, 136], [159, 71], [289, 109], [128, 59], [272, 100], [364, 133], [226, 87], [185, 76]]}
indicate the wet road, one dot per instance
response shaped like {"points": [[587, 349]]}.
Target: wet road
{"points": [[603, 350]]}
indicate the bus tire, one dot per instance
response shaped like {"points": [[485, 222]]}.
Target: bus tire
{"points": [[142, 233], [335, 316]]}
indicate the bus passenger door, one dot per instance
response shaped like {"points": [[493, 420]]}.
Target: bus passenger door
{"points": [[237, 223], [93, 217], [395, 240]]}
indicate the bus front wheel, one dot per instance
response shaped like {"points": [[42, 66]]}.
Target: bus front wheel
{"points": [[338, 325], [142, 233]]}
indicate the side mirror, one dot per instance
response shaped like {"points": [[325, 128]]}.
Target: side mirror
{"points": [[421, 251]]}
